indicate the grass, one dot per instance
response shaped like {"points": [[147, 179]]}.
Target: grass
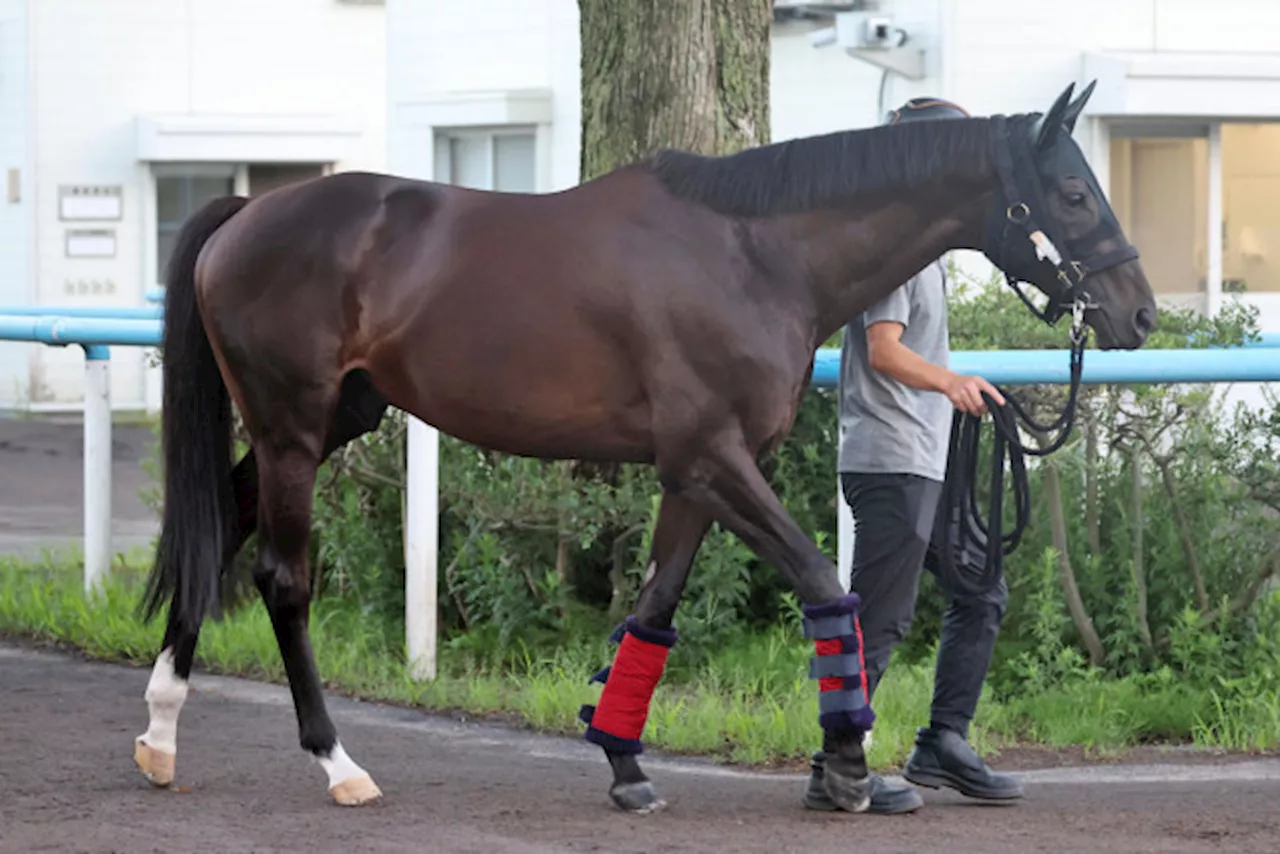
{"points": [[751, 702]]}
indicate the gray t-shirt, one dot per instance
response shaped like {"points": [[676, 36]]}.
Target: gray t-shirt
{"points": [[887, 427]]}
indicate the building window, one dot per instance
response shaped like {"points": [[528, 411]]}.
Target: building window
{"points": [[499, 159], [1250, 218], [1160, 194], [183, 190], [179, 194], [264, 177]]}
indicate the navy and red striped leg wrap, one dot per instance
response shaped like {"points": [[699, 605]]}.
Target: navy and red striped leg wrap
{"points": [[617, 722], [838, 665]]}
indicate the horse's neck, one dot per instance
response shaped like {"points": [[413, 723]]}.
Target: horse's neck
{"points": [[857, 256]]}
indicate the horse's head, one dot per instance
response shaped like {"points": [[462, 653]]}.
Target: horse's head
{"points": [[1052, 226]]}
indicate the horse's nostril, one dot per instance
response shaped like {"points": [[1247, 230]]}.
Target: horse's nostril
{"points": [[1144, 320]]}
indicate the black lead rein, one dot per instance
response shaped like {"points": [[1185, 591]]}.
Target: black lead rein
{"points": [[962, 524]]}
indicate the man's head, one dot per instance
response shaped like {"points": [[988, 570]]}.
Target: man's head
{"points": [[925, 109]]}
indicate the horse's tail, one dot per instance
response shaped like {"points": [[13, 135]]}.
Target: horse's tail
{"points": [[199, 501]]}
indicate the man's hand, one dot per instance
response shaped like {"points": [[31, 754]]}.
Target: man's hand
{"points": [[890, 356], [965, 393]]}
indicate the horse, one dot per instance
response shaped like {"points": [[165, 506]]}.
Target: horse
{"points": [[666, 313]]}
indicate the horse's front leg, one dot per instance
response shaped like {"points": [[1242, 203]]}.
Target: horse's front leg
{"points": [[617, 722], [728, 483]]}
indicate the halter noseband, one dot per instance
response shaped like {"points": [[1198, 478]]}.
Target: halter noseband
{"points": [[1023, 198]]}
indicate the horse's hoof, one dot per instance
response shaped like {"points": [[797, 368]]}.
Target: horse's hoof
{"points": [[355, 791], [640, 798], [851, 793], [156, 765]]}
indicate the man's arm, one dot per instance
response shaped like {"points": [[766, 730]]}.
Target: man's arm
{"points": [[887, 354]]}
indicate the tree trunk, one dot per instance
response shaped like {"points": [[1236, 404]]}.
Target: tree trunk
{"points": [[690, 74], [1058, 532], [1184, 531], [1139, 567]]}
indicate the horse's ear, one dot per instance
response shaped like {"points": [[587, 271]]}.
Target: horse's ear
{"points": [[1050, 125], [1076, 107]]}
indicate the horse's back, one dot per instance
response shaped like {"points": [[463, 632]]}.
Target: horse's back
{"points": [[436, 291], [567, 311]]}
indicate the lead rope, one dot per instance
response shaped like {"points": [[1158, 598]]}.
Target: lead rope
{"points": [[961, 522]]}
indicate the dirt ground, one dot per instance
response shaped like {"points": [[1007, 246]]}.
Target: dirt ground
{"points": [[67, 783]]}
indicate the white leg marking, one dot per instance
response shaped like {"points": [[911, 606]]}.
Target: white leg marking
{"points": [[349, 785], [339, 766], [166, 693]]}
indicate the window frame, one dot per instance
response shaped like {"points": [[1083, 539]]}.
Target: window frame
{"points": [[442, 155], [237, 172]]}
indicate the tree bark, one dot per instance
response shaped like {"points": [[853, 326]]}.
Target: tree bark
{"points": [[1184, 529], [691, 74]]}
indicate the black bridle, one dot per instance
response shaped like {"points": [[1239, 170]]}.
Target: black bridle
{"points": [[1014, 158], [960, 523]]}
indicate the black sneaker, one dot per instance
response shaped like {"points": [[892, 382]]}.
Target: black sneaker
{"points": [[886, 798], [943, 758]]}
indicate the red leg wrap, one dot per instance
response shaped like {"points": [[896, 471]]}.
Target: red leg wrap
{"points": [[618, 721]]}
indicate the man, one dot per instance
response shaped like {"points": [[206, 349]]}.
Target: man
{"points": [[897, 396]]}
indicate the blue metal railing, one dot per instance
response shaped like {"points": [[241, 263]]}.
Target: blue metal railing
{"points": [[65, 329], [99, 312], [1020, 367], [1254, 362]]}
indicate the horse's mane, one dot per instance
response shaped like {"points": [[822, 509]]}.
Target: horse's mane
{"points": [[821, 171]]}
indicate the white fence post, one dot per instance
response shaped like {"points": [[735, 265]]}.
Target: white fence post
{"points": [[421, 542], [97, 466]]}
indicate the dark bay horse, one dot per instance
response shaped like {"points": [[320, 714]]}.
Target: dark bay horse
{"points": [[666, 313]]}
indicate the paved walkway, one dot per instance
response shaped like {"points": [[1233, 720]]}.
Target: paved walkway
{"points": [[42, 486]]}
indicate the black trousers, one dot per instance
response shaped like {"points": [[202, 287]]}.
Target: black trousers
{"points": [[896, 521]]}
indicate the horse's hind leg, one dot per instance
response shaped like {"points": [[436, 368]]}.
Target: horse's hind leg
{"points": [[156, 751], [287, 464], [617, 722], [286, 478], [359, 411]]}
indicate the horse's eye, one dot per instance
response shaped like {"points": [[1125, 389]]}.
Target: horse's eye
{"points": [[1075, 200]]}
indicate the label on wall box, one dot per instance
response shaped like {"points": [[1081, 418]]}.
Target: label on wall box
{"points": [[91, 243], [88, 201]]}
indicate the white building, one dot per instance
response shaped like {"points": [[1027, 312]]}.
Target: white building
{"points": [[118, 118], [140, 109]]}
